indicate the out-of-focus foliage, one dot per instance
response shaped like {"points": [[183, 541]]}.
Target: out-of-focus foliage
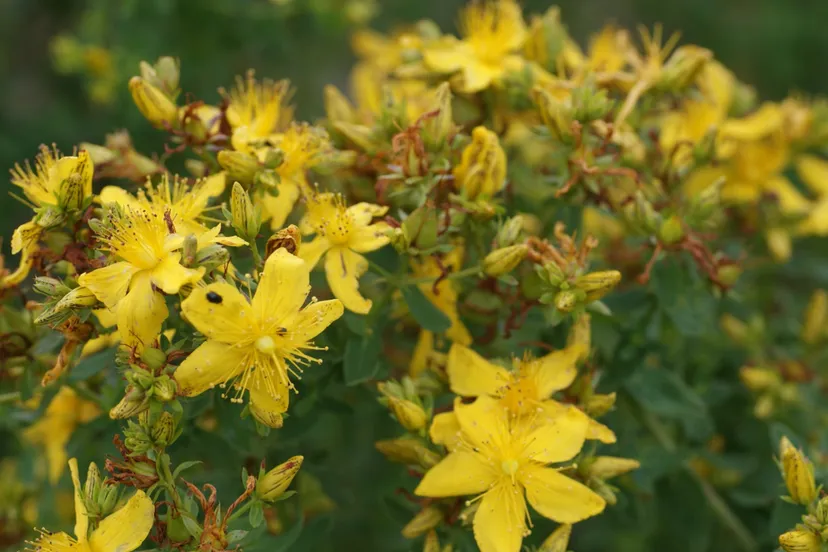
{"points": [[501, 288]]}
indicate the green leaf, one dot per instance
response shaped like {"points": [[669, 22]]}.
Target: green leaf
{"points": [[664, 393], [424, 312], [183, 466], [285, 541], [256, 515], [361, 361]]}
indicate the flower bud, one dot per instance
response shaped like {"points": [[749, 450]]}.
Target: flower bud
{"points": [[421, 227], [556, 114], [432, 542], [800, 540], [189, 251], [504, 260], [728, 274], [735, 328], [707, 202], [163, 429], [337, 107], [598, 405], [212, 256], [558, 540], [241, 167], [759, 379], [287, 238], [482, 168], [683, 67], [153, 104], [49, 286], [510, 232], [168, 70], [92, 483], [246, 218], [546, 39], [406, 450], [426, 519], [822, 511], [798, 472], [274, 483], [565, 300], [164, 389], [606, 467], [133, 403], [362, 136], [816, 313], [671, 230], [598, 284], [99, 154], [410, 415], [49, 217], [78, 298], [155, 359], [437, 129], [74, 181]]}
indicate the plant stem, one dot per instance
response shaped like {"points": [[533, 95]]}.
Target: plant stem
{"points": [[257, 257], [240, 510]]}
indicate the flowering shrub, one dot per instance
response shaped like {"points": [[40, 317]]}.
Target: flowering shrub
{"points": [[508, 292]]}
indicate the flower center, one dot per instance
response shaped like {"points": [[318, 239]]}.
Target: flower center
{"points": [[265, 345], [510, 467], [519, 394]]}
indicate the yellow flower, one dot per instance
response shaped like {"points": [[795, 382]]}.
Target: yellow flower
{"points": [[342, 233], [500, 456], [493, 32], [64, 414], [122, 531], [25, 240], [257, 344], [56, 180], [814, 173], [482, 168], [386, 52], [148, 260], [798, 472], [609, 51], [524, 390], [302, 147], [185, 203], [257, 110]]}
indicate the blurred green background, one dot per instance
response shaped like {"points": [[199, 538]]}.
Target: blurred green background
{"points": [[777, 45]]}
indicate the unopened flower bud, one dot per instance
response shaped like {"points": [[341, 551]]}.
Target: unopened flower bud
{"points": [[274, 483], [288, 238], [798, 472], [558, 540], [707, 202], [212, 256], [337, 107], [546, 39], [816, 313], [597, 405], [822, 511], [606, 467], [728, 274], [153, 104], [426, 519], [510, 232], [74, 181], [683, 67], [598, 284], [131, 405], [107, 499], [556, 114], [274, 158], [566, 300], [421, 227], [78, 298], [432, 542], [246, 218], [759, 379], [410, 415], [155, 359], [164, 389], [504, 260], [267, 417], [436, 129], [163, 429], [168, 70], [49, 217], [671, 230], [482, 168], [49, 286], [241, 167], [362, 136], [735, 328], [800, 540], [99, 154], [407, 450], [92, 483]]}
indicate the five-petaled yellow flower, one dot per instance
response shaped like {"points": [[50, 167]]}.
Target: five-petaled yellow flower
{"points": [[492, 32], [258, 345], [56, 180], [123, 531], [257, 110], [500, 456], [64, 414], [524, 390], [149, 259], [342, 233]]}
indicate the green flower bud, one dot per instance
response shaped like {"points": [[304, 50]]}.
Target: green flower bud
{"points": [[92, 483], [597, 405], [407, 450], [566, 300], [437, 129], [598, 284], [504, 260], [426, 519], [164, 389], [558, 540], [49, 286], [241, 167], [510, 232], [153, 104], [155, 359], [78, 298], [133, 403], [212, 256], [671, 230], [556, 114], [246, 218], [163, 429], [274, 483]]}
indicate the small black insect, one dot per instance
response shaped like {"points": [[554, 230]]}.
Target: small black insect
{"points": [[214, 297]]}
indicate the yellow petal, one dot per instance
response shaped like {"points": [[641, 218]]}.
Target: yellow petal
{"points": [[362, 213], [110, 283], [445, 430], [56, 542], [126, 529], [596, 431], [499, 523], [25, 237], [212, 363], [559, 497], [422, 353], [556, 439], [701, 178], [119, 196], [56, 454], [313, 319], [478, 76], [141, 312], [471, 375], [343, 268], [817, 221], [282, 290], [81, 515], [220, 312], [460, 473], [313, 250], [555, 371], [448, 57], [370, 238], [791, 201], [814, 173], [268, 408], [169, 275], [277, 208], [484, 423], [765, 120]]}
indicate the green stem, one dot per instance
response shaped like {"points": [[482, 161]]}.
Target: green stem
{"points": [[239, 511], [717, 503], [257, 257]]}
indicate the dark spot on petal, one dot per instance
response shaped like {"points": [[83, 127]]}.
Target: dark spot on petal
{"points": [[214, 297]]}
